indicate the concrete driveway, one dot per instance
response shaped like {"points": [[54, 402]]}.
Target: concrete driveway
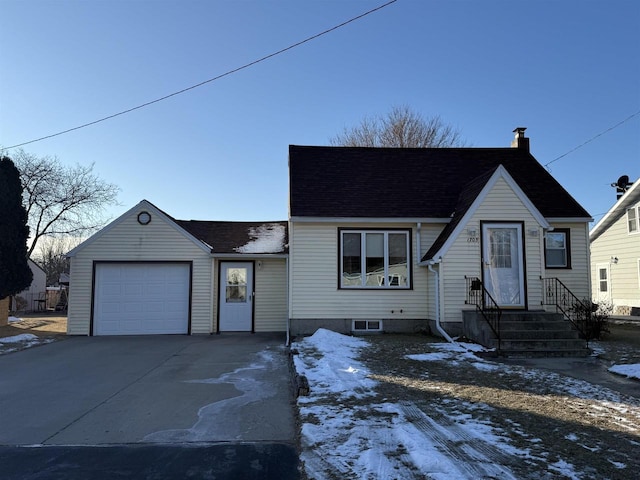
{"points": [[148, 391]]}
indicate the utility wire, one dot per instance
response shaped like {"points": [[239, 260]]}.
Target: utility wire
{"points": [[593, 138], [192, 87]]}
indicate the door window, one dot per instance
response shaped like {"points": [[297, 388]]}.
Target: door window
{"points": [[236, 285]]}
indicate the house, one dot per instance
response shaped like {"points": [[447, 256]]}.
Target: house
{"points": [[378, 239], [615, 254], [388, 239], [33, 297], [148, 273]]}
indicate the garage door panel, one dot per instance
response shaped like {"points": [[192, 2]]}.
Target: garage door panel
{"points": [[137, 299]]}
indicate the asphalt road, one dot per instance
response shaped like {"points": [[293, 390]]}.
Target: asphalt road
{"points": [[148, 407]]}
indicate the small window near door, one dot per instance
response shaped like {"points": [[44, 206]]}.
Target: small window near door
{"points": [[603, 279], [556, 249]]}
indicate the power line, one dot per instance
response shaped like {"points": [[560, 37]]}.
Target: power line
{"points": [[230, 72], [593, 138]]}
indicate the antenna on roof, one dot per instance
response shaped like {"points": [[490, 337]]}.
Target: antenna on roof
{"points": [[622, 185]]}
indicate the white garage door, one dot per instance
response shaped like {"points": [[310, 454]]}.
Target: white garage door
{"points": [[141, 298]]}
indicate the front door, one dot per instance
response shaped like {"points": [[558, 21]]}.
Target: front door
{"points": [[503, 263], [236, 297]]}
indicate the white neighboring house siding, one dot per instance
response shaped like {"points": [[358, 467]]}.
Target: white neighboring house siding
{"points": [[463, 257], [624, 283], [575, 278], [314, 292], [38, 286], [129, 241]]}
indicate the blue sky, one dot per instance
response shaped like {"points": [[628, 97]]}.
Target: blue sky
{"points": [[567, 70]]}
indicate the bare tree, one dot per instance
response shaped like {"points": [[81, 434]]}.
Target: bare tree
{"points": [[62, 200], [400, 128]]}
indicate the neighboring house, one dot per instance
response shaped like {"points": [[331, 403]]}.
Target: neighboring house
{"points": [[148, 273], [383, 238], [615, 254], [34, 297]]}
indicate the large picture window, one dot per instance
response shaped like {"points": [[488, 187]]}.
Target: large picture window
{"points": [[375, 258], [556, 249]]}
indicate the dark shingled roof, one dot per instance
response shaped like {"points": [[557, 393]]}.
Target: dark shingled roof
{"points": [[411, 182], [229, 237], [465, 200]]}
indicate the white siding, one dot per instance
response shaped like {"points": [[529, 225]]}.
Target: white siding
{"points": [[463, 257], [575, 278], [314, 292], [127, 240], [271, 296], [616, 242]]}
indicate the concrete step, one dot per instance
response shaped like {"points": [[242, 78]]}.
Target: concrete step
{"points": [[582, 352], [540, 334], [546, 326], [540, 345]]}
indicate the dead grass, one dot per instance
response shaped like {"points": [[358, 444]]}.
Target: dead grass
{"points": [[49, 325]]}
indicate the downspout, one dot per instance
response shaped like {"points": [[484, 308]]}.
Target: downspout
{"points": [[437, 280], [286, 264], [430, 266]]}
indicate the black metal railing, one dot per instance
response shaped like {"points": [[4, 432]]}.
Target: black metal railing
{"points": [[558, 294], [485, 304]]}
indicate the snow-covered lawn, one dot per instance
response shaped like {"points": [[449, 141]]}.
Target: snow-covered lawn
{"points": [[20, 342], [426, 423]]}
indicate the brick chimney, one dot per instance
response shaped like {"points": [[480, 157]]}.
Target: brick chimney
{"points": [[520, 141]]}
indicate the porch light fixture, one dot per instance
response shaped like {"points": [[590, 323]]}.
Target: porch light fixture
{"points": [[614, 260], [472, 232]]}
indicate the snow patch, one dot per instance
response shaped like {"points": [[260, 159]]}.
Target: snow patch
{"points": [[267, 238], [631, 370], [23, 337]]}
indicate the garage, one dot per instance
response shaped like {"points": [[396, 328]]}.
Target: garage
{"points": [[141, 298]]}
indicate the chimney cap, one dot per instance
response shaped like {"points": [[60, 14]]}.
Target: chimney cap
{"points": [[519, 131]]}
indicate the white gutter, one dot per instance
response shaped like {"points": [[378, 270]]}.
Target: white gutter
{"points": [[437, 279]]}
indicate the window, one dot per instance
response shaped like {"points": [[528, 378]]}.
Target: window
{"points": [[633, 218], [367, 326], [374, 259], [556, 249], [603, 280]]}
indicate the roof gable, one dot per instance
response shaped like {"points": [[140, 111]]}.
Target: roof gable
{"points": [[410, 182], [630, 198], [471, 197], [155, 211]]}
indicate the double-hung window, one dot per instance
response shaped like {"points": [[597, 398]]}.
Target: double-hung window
{"points": [[557, 253], [633, 219], [375, 259]]}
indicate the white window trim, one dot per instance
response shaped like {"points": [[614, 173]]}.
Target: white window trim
{"points": [[368, 328], [635, 209], [363, 232], [567, 250]]}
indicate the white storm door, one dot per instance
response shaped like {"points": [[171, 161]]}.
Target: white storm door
{"points": [[236, 296], [603, 272], [503, 263]]}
